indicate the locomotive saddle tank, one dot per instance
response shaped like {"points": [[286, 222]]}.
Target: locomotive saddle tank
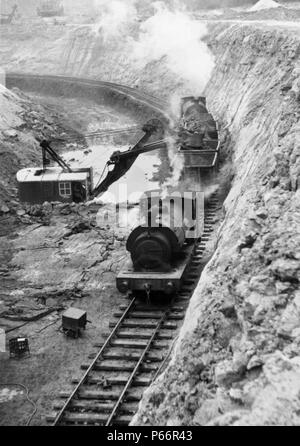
{"points": [[160, 247]]}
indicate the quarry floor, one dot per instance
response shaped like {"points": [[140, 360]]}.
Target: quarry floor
{"points": [[54, 359], [56, 256]]}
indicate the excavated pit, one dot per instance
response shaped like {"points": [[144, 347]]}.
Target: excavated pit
{"points": [[57, 256], [237, 358]]}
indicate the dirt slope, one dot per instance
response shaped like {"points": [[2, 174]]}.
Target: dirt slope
{"points": [[22, 124], [237, 361]]}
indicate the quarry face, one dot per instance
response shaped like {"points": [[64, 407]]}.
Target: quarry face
{"points": [[87, 81]]}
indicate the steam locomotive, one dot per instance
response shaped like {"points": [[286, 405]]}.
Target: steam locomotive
{"points": [[197, 126], [161, 247], [162, 244]]}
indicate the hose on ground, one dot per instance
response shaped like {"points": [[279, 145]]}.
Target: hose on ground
{"points": [[27, 397]]}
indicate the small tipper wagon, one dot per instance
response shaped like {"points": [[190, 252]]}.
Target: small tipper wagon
{"points": [[200, 147]]}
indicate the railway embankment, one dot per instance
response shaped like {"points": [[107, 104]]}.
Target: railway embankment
{"points": [[237, 360]]}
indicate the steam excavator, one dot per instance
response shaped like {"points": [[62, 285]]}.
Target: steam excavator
{"points": [[197, 138], [68, 184], [199, 149]]}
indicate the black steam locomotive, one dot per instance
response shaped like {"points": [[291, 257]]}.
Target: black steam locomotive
{"points": [[197, 126], [161, 246]]}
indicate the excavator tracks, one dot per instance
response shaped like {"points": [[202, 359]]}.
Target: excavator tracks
{"points": [[133, 354]]}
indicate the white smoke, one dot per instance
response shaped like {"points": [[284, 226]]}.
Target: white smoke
{"points": [[176, 164], [169, 37], [176, 38], [173, 38], [114, 17]]}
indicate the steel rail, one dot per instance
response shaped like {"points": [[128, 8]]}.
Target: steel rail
{"points": [[141, 359], [128, 383], [132, 376], [161, 105], [99, 133], [112, 131], [86, 374]]}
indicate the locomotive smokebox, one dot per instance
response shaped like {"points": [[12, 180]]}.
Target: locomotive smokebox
{"points": [[160, 237], [152, 249]]}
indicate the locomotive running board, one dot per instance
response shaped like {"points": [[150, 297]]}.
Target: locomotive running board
{"points": [[157, 281]]}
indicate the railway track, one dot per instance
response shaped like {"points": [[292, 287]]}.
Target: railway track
{"points": [[156, 104], [108, 132], [101, 134], [133, 354]]}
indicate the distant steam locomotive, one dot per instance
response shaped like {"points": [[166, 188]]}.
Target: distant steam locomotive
{"points": [[197, 126]]}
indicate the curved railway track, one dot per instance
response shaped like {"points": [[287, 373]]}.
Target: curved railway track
{"points": [[133, 354], [101, 134], [156, 104]]}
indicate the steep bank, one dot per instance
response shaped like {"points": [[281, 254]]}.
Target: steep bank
{"points": [[237, 360], [23, 123], [81, 51]]}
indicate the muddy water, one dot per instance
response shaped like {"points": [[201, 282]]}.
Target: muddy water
{"points": [[86, 116], [132, 185]]}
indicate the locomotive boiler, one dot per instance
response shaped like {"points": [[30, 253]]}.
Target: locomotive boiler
{"points": [[161, 245]]}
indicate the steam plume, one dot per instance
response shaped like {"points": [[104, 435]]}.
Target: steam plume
{"points": [[177, 165], [114, 17], [176, 39]]}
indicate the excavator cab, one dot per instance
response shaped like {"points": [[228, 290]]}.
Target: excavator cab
{"points": [[79, 192]]}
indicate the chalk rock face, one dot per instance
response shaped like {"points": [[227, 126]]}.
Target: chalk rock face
{"points": [[243, 322], [289, 322], [4, 209], [274, 396]]}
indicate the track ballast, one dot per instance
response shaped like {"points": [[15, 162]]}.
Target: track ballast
{"points": [[133, 354]]}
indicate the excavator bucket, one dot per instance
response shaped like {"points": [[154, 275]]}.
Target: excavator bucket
{"points": [[120, 168], [122, 161]]}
